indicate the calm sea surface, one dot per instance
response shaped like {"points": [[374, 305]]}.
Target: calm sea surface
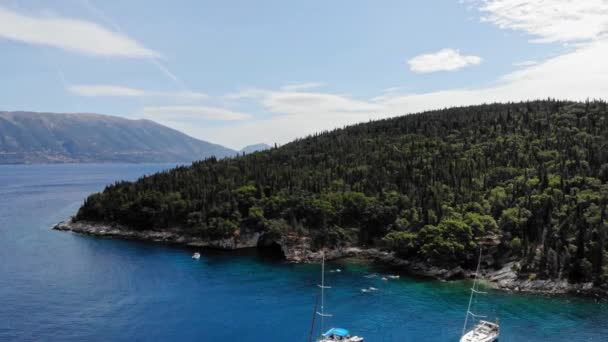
{"points": [[57, 286]]}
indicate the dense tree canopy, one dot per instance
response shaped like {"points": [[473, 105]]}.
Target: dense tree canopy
{"points": [[532, 176]]}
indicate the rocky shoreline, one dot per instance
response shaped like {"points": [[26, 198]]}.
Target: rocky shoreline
{"points": [[172, 236], [298, 250]]}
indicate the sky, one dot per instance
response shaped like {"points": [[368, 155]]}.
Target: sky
{"points": [[246, 72]]}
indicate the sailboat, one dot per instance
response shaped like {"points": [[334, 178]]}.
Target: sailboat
{"points": [[483, 331], [333, 334]]}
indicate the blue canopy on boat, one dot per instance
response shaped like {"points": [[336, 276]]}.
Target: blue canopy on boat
{"points": [[336, 331]]}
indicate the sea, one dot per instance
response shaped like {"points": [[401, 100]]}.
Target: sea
{"points": [[60, 286]]}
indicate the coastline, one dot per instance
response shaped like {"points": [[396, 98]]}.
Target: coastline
{"points": [[297, 250]]}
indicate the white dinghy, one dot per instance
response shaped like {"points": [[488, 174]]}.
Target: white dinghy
{"points": [[482, 331]]}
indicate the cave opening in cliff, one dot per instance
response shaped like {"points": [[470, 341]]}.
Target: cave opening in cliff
{"points": [[270, 248]]}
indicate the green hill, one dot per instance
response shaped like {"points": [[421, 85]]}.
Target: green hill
{"points": [[27, 137], [531, 177]]}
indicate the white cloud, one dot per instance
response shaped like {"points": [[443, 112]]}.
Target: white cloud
{"points": [[193, 113], [442, 60], [248, 93], [305, 103], [253, 93], [302, 86], [550, 20], [577, 75], [296, 111], [106, 90], [293, 114], [525, 63], [69, 34]]}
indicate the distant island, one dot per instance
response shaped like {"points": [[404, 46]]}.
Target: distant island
{"points": [[28, 137], [525, 182]]}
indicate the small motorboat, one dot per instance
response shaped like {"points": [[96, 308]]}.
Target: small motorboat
{"points": [[196, 256], [393, 277]]}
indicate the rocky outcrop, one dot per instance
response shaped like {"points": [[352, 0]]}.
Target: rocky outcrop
{"points": [[508, 279], [176, 236], [505, 278]]}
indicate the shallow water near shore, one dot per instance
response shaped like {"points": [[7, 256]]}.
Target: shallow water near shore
{"points": [[58, 286]]}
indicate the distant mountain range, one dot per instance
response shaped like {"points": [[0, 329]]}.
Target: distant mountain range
{"points": [[255, 148], [28, 137]]}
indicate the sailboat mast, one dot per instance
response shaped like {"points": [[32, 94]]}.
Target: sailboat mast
{"points": [[323, 287], [322, 291], [473, 290]]}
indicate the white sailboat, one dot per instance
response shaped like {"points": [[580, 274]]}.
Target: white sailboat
{"points": [[483, 331], [333, 334]]}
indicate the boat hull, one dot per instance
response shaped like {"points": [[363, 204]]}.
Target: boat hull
{"points": [[471, 338], [484, 331]]}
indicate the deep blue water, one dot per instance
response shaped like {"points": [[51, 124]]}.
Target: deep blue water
{"points": [[57, 286]]}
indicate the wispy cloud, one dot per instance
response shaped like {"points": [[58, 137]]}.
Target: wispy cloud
{"points": [[69, 34], [154, 61], [188, 113], [525, 63], [247, 93], [442, 60], [295, 110], [307, 103], [576, 75], [302, 86], [252, 93], [549, 21], [107, 90]]}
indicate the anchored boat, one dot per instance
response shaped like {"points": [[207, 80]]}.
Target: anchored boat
{"points": [[483, 331], [339, 334], [333, 334]]}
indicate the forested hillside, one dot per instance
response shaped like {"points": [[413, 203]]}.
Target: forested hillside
{"points": [[28, 137], [530, 177]]}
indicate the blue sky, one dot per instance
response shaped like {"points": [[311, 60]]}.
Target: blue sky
{"points": [[243, 72]]}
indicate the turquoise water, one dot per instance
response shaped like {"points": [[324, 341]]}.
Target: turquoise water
{"points": [[57, 286]]}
